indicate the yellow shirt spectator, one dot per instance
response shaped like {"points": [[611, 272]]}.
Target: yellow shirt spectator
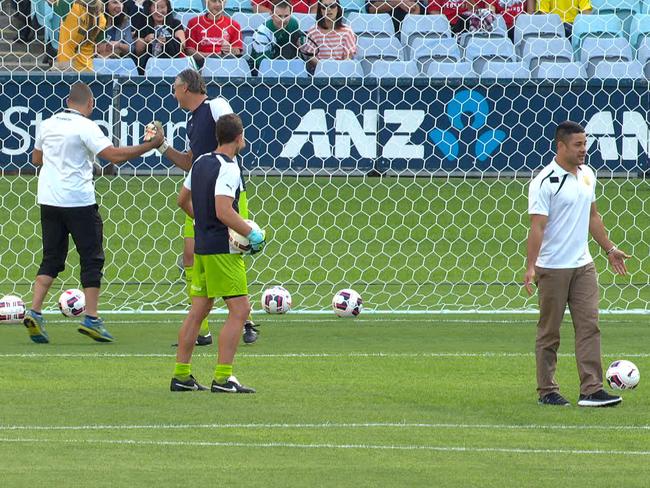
{"points": [[566, 9], [80, 31]]}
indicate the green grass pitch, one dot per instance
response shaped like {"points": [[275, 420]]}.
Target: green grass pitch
{"points": [[400, 400]]}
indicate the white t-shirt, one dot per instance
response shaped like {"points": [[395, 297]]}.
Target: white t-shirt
{"points": [[566, 200], [228, 181], [69, 142]]}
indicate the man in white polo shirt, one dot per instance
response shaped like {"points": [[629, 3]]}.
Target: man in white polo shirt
{"points": [[66, 146], [562, 208]]}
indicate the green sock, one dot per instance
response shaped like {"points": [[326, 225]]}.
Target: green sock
{"points": [[222, 372], [189, 271], [182, 371]]}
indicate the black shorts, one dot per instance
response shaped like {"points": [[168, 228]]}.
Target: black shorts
{"points": [[85, 226]]}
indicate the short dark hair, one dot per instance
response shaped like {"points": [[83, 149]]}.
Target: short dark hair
{"points": [[283, 4], [229, 128], [80, 93], [567, 129], [194, 81]]}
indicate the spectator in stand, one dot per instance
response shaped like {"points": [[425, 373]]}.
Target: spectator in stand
{"points": [[398, 9], [278, 38], [213, 34], [297, 6], [22, 21], [118, 39], [80, 31], [566, 9], [163, 35], [465, 15], [48, 15], [509, 9], [330, 38], [134, 9]]}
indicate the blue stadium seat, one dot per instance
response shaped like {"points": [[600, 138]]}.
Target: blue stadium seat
{"points": [[331, 68], [193, 5], [595, 26], [353, 6], [393, 69], [479, 50], [233, 6], [499, 31], [624, 9], [645, 7], [643, 51], [505, 70], [560, 71], [386, 48], [226, 67], [108, 66], [424, 26], [305, 21], [166, 66], [539, 50], [639, 29], [441, 49], [371, 25], [597, 49], [441, 69], [185, 17], [249, 23], [621, 70], [283, 68], [529, 27]]}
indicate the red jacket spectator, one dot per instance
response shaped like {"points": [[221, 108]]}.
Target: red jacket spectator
{"points": [[207, 35], [509, 9], [298, 6], [452, 9]]}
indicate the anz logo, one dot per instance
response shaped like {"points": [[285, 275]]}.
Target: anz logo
{"points": [[466, 107], [467, 104]]}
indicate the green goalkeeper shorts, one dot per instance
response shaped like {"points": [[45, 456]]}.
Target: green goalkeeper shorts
{"points": [[219, 275]]}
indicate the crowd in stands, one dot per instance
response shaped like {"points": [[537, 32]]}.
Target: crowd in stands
{"points": [[76, 31]]}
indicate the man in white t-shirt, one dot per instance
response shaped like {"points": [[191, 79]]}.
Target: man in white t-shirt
{"points": [[66, 146], [562, 208]]}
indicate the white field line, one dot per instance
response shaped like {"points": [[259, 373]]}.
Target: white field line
{"points": [[313, 355], [328, 425], [289, 445]]}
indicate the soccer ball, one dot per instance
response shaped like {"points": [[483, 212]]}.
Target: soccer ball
{"points": [[12, 310], [238, 242], [622, 375], [72, 303], [347, 303], [276, 300]]}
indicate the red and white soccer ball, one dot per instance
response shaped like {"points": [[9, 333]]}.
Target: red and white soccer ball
{"points": [[276, 300], [347, 303], [12, 310], [72, 303], [622, 375], [238, 242]]}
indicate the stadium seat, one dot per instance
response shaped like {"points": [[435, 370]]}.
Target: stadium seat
{"points": [[393, 69], [226, 67], [529, 27], [424, 26], [595, 26], [166, 66], [499, 31], [505, 70], [372, 49], [233, 6], [557, 71], [283, 68], [479, 50], [621, 70], [539, 50], [441, 69], [643, 52], [645, 7], [596, 49], [305, 21], [624, 9], [442, 49], [371, 25], [108, 66], [353, 6], [249, 23], [191, 5], [639, 29], [331, 68], [185, 17]]}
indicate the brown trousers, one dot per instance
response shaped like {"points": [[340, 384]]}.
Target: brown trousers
{"points": [[577, 287]]}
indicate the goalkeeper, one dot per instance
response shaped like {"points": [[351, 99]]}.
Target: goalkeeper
{"points": [[191, 93]]}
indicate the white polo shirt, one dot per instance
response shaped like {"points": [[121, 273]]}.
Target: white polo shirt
{"points": [[69, 142], [566, 200]]}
